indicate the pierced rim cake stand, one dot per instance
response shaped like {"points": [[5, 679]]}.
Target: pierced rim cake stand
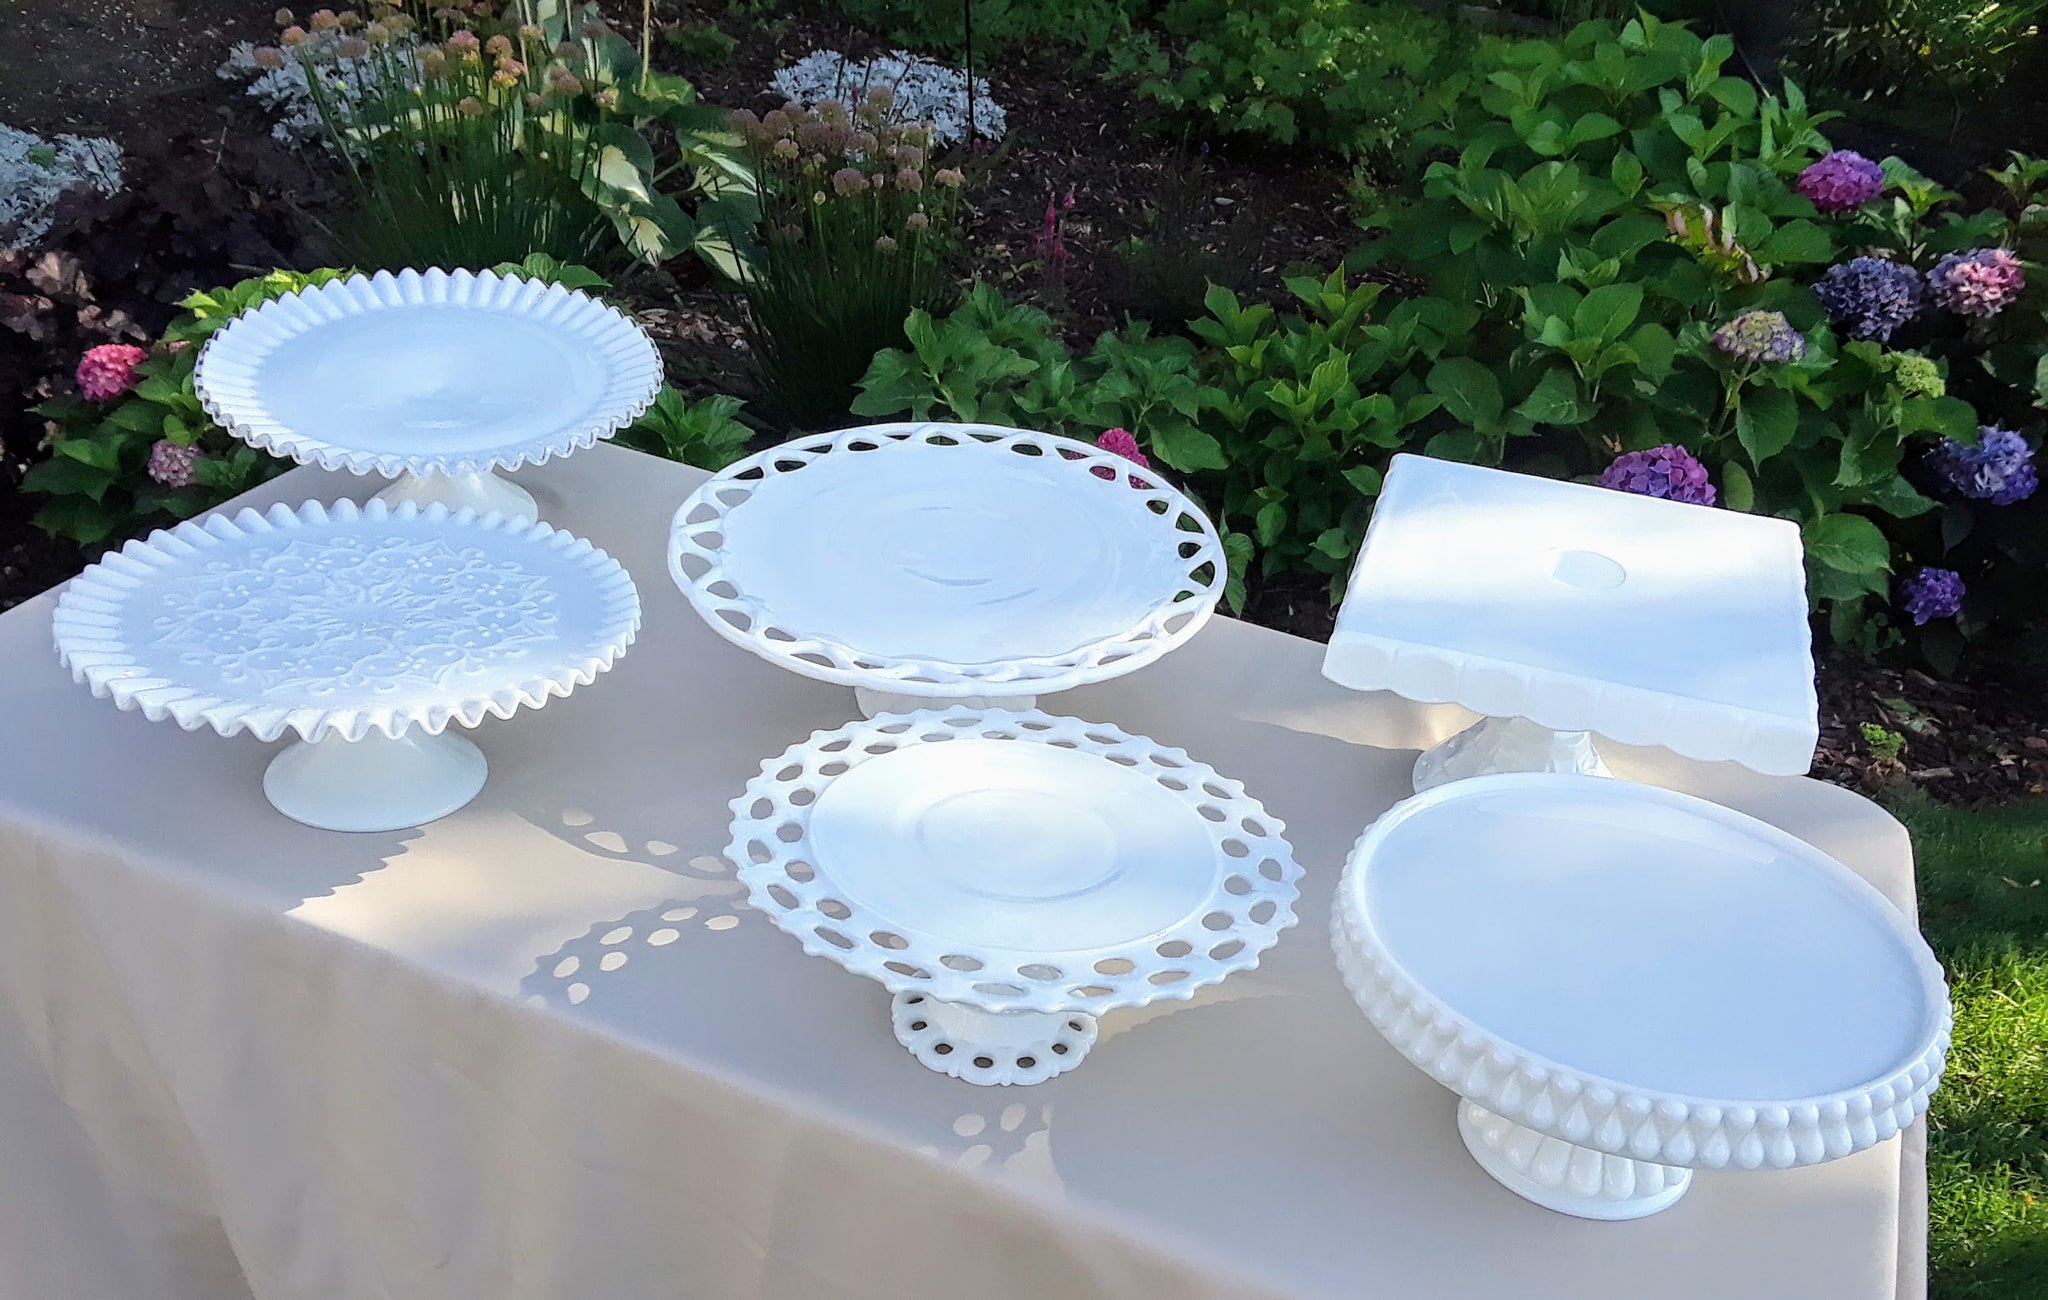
{"points": [[932, 564], [1624, 984], [1010, 876], [434, 379], [365, 630]]}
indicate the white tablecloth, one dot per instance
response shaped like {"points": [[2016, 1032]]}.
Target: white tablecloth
{"points": [[541, 1049]]}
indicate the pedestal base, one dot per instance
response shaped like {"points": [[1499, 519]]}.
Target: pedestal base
{"points": [[1569, 1179], [991, 1047], [1507, 745], [374, 784], [485, 492], [873, 703]]}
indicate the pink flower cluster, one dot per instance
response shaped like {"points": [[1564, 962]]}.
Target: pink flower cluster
{"points": [[1981, 282], [107, 371], [171, 464], [1841, 182]]}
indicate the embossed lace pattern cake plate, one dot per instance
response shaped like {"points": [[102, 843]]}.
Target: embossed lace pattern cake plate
{"points": [[436, 379], [1625, 983], [1010, 875], [365, 630], [933, 563]]}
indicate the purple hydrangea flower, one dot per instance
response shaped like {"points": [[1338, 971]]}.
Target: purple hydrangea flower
{"points": [[1932, 593], [1981, 282], [1760, 336], [1999, 469], [1869, 296], [1842, 181], [171, 464], [1669, 471]]}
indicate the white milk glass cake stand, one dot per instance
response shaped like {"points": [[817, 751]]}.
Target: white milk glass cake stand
{"points": [[366, 631], [1562, 609], [1010, 876], [1624, 984], [434, 379], [933, 564]]}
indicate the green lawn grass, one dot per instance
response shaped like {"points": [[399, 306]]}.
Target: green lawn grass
{"points": [[1984, 907]]}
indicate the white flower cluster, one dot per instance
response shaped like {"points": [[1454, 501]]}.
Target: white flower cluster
{"points": [[285, 92], [35, 171], [925, 91]]}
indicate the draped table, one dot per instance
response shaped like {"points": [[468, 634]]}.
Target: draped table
{"points": [[541, 1048]]}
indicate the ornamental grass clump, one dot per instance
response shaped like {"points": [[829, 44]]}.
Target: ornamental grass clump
{"points": [[520, 131], [856, 232]]}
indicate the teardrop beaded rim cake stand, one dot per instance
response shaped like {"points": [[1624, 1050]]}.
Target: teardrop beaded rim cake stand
{"points": [[434, 379], [365, 630], [933, 564], [1624, 984], [1010, 876]]}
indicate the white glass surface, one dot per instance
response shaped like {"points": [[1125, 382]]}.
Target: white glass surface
{"points": [[1670, 947], [959, 556], [1583, 608], [456, 379], [995, 844]]}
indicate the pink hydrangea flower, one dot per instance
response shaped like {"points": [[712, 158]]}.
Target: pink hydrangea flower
{"points": [[107, 371], [171, 464], [1981, 282], [1120, 442], [1841, 182]]}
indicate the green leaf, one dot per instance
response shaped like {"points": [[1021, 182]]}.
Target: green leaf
{"points": [[1366, 479], [1270, 523], [63, 476], [1469, 391], [1738, 490], [1237, 553], [1185, 448], [1849, 543], [1608, 311], [1796, 243], [1555, 400], [1765, 423]]}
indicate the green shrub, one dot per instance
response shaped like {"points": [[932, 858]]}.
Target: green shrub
{"points": [[707, 434], [1886, 49], [98, 474], [519, 133], [940, 27], [856, 228], [1329, 74]]}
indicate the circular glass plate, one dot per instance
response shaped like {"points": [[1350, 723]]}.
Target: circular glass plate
{"points": [[1640, 972], [346, 618], [434, 372], [1021, 847], [1013, 861], [947, 559]]}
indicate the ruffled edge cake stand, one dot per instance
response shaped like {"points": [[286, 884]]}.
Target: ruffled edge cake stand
{"points": [[374, 751], [997, 1011], [231, 382], [1569, 1139], [1157, 513]]}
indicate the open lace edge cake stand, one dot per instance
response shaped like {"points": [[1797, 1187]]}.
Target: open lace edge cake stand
{"points": [[231, 384], [1573, 1141], [358, 764], [701, 566], [1202, 884]]}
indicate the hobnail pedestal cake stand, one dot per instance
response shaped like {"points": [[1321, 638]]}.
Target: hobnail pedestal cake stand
{"points": [[1624, 984], [364, 630], [935, 564], [434, 379], [1010, 876], [1562, 609]]}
